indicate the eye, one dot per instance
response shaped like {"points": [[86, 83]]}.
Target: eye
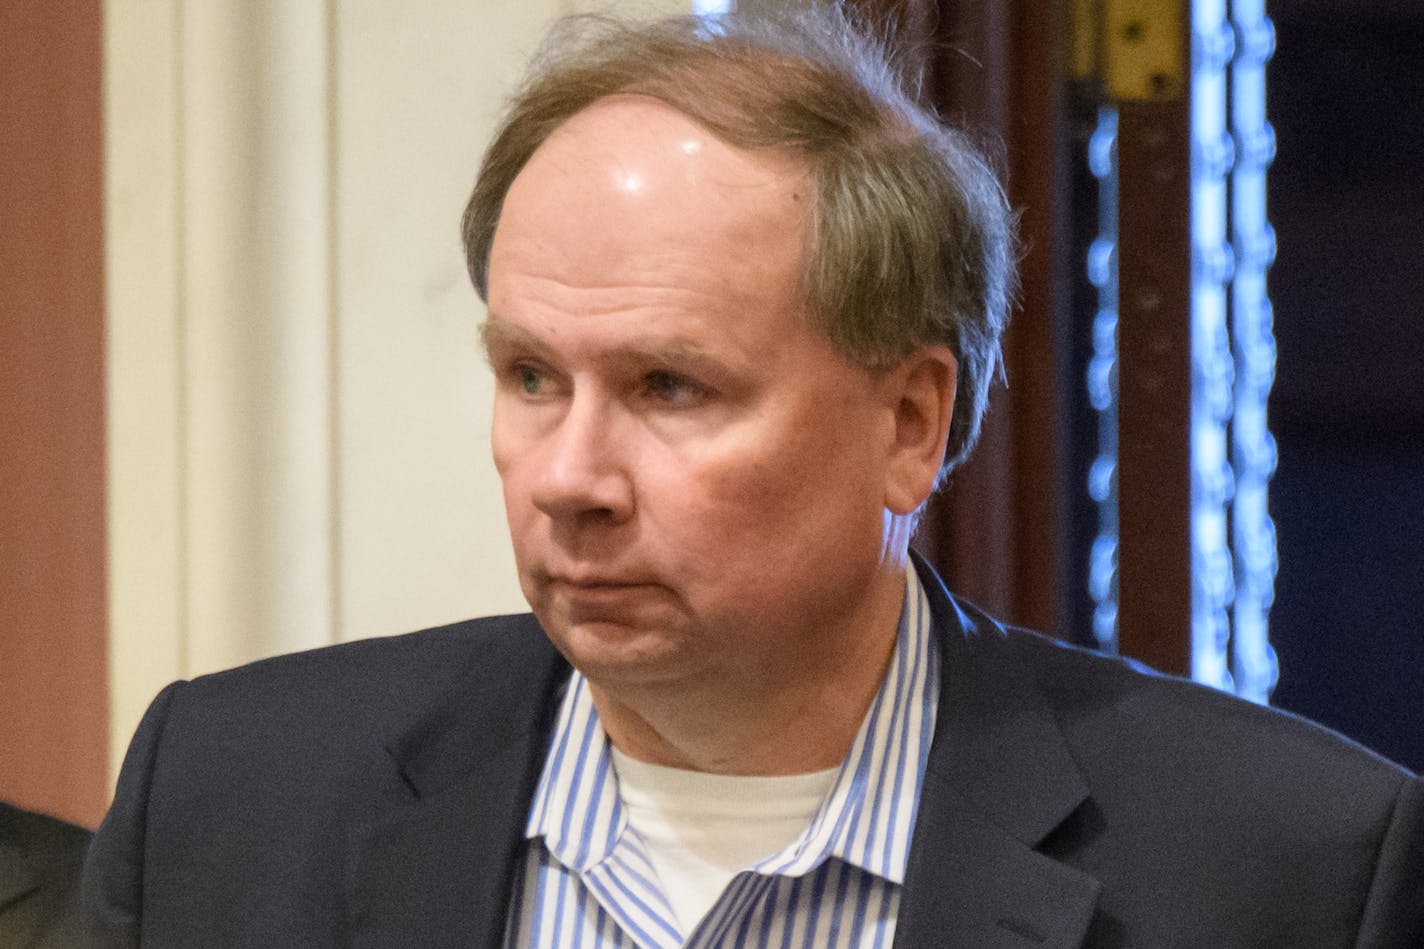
{"points": [[674, 389], [530, 379]]}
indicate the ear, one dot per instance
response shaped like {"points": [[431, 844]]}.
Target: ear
{"points": [[921, 393]]}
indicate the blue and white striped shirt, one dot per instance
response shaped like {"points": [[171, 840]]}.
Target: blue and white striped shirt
{"points": [[587, 881]]}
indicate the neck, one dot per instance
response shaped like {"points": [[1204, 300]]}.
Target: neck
{"points": [[766, 721]]}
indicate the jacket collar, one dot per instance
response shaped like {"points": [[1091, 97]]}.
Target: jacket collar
{"points": [[998, 781], [438, 869]]}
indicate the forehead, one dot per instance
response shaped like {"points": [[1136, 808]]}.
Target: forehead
{"points": [[635, 143], [632, 190]]}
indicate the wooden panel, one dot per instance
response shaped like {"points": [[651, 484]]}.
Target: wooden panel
{"points": [[53, 694], [1041, 385], [1154, 385], [1000, 531]]}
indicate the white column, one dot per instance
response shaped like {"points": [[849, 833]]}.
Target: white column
{"points": [[219, 339], [143, 359], [257, 319]]}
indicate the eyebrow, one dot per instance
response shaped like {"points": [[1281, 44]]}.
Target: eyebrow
{"points": [[678, 353], [496, 332], [501, 338]]}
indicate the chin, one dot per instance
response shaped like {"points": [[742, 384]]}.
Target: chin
{"points": [[617, 654]]}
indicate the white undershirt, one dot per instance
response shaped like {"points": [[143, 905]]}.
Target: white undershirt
{"points": [[701, 830]]}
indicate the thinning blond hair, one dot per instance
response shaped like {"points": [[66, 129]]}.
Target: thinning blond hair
{"points": [[910, 240]]}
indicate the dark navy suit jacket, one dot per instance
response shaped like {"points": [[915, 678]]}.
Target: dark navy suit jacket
{"points": [[375, 794]]}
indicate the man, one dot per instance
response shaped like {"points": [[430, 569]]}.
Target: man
{"points": [[744, 306], [40, 860]]}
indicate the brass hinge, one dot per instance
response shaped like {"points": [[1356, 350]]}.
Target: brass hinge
{"points": [[1139, 50]]}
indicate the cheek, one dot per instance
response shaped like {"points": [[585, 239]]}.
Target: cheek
{"points": [[512, 462], [499, 441], [737, 515]]}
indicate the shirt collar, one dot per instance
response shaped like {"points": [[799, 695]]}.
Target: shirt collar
{"points": [[866, 820]]}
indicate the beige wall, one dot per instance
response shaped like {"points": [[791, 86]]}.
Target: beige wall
{"points": [[297, 405]]}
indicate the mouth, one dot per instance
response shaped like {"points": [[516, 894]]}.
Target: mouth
{"points": [[593, 585], [590, 579]]}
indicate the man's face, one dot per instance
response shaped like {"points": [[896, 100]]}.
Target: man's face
{"points": [[695, 482]]}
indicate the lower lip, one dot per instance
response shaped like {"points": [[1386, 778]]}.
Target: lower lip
{"points": [[601, 593]]}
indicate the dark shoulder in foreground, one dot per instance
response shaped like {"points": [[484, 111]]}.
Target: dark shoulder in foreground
{"points": [[40, 862]]}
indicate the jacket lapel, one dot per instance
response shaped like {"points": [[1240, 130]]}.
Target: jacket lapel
{"points": [[998, 781], [437, 870]]}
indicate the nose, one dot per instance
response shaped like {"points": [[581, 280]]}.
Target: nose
{"points": [[584, 475]]}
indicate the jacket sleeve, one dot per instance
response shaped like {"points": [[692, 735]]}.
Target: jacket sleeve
{"points": [[112, 887], [1394, 908]]}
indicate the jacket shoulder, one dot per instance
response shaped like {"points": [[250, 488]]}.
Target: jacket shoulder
{"points": [[1204, 819], [1109, 704], [241, 788], [302, 712], [1223, 816], [430, 656]]}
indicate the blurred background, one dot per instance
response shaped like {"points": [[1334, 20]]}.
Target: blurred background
{"points": [[243, 409]]}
